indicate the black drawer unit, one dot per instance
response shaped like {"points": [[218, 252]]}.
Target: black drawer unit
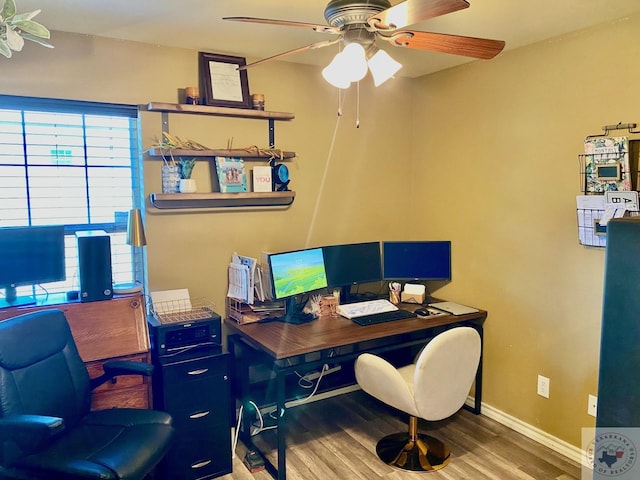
{"points": [[194, 388]]}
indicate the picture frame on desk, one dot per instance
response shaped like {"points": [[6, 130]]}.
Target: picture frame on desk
{"points": [[223, 82]]}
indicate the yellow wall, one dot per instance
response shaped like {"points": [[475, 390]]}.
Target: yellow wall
{"points": [[496, 165], [485, 153]]}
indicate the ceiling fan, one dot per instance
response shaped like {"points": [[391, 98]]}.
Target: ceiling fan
{"points": [[362, 23]]}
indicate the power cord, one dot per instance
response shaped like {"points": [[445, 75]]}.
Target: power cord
{"points": [[272, 412]]}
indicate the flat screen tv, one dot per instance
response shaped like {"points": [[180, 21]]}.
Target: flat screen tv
{"points": [[421, 260], [352, 264], [294, 273], [30, 256]]}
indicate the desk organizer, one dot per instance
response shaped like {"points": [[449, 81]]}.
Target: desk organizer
{"points": [[243, 313]]}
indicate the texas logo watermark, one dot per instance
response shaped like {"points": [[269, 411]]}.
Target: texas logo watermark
{"points": [[610, 453]]}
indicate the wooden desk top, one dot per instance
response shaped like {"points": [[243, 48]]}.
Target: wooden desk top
{"points": [[282, 340]]}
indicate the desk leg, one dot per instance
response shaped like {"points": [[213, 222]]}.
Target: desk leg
{"points": [[478, 392], [282, 426]]}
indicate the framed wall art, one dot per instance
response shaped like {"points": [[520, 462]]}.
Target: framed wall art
{"points": [[222, 83]]}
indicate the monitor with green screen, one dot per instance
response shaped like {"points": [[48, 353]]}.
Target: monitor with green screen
{"points": [[296, 272]]}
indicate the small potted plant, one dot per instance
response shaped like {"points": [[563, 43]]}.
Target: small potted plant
{"points": [[187, 184], [176, 175], [15, 28]]}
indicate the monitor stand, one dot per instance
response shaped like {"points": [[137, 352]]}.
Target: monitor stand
{"points": [[11, 298], [294, 315]]}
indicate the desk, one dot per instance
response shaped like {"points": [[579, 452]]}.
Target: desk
{"points": [[328, 340]]}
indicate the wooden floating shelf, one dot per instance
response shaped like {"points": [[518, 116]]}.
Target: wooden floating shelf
{"points": [[235, 152], [221, 200], [220, 111]]}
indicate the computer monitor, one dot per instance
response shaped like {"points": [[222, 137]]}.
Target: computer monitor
{"points": [[421, 261], [294, 273], [30, 256], [352, 264]]}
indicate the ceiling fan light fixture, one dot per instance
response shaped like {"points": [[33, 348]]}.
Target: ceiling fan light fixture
{"points": [[335, 77], [354, 61], [350, 65], [382, 67], [336, 74]]}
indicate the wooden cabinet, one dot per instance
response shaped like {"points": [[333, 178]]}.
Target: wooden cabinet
{"points": [[114, 329], [216, 199]]}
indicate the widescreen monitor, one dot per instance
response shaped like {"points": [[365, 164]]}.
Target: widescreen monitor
{"points": [[352, 264], [30, 256], [422, 260], [294, 273]]}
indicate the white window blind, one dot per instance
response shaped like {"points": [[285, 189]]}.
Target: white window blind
{"points": [[75, 164]]}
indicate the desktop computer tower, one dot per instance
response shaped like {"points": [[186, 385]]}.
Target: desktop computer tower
{"points": [[94, 265]]}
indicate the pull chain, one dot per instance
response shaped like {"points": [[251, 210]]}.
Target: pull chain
{"points": [[358, 105]]}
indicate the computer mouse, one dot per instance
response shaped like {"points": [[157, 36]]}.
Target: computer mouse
{"points": [[422, 312]]}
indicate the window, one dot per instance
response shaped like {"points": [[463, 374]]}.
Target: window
{"points": [[76, 164]]}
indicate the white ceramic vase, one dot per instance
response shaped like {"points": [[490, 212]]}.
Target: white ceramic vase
{"points": [[187, 185]]}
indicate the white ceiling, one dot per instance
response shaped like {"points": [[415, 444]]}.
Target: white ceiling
{"points": [[197, 25]]}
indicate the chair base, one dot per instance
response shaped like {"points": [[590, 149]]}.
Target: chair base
{"points": [[425, 454]]}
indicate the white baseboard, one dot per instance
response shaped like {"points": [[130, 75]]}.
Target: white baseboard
{"points": [[560, 446]]}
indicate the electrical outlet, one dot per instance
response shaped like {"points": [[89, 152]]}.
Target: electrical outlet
{"points": [[543, 386], [592, 405]]}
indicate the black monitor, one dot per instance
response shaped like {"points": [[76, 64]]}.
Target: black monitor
{"points": [[294, 273], [30, 256], [426, 260], [352, 264]]}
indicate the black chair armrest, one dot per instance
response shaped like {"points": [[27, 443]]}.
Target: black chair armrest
{"points": [[116, 368], [30, 432]]}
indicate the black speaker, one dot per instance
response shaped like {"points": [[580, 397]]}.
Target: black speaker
{"points": [[94, 265]]}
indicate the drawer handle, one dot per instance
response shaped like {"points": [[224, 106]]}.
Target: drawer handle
{"points": [[201, 464], [198, 372], [200, 415]]}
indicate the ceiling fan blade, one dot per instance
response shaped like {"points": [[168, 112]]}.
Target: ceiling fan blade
{"points": [[285, 23], [482, 48], [313, 46], [414, 11]]}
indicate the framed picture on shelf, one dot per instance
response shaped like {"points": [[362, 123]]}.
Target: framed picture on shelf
{"points": [[232, 177], [223, 84]]}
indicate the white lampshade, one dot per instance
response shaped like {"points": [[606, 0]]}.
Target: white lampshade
{"points": [[355, 61], [382, 67], [335, 74], [348, 66]]}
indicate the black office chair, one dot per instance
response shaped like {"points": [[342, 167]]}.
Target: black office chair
{"points": [[47, 431]]}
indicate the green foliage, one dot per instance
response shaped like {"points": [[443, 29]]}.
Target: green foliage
{"points": [[15, 28], [186, 167]]}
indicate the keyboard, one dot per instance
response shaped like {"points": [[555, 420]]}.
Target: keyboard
{"points": [[383, 317], [351, 310]]}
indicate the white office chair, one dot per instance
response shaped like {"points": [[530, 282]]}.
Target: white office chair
{"points": [[433, 388]]}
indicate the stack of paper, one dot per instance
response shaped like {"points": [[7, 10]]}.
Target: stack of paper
{"points": [[247, 280], [241, 278]]}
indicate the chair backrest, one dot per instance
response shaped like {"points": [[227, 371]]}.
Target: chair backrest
{"points": [[445, 371], [41, 372]]}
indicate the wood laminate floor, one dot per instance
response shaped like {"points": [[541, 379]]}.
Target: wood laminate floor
{"points": [[336, 438]]}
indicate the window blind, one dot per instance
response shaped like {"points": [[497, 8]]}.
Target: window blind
{"points": [[71, 163]]}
